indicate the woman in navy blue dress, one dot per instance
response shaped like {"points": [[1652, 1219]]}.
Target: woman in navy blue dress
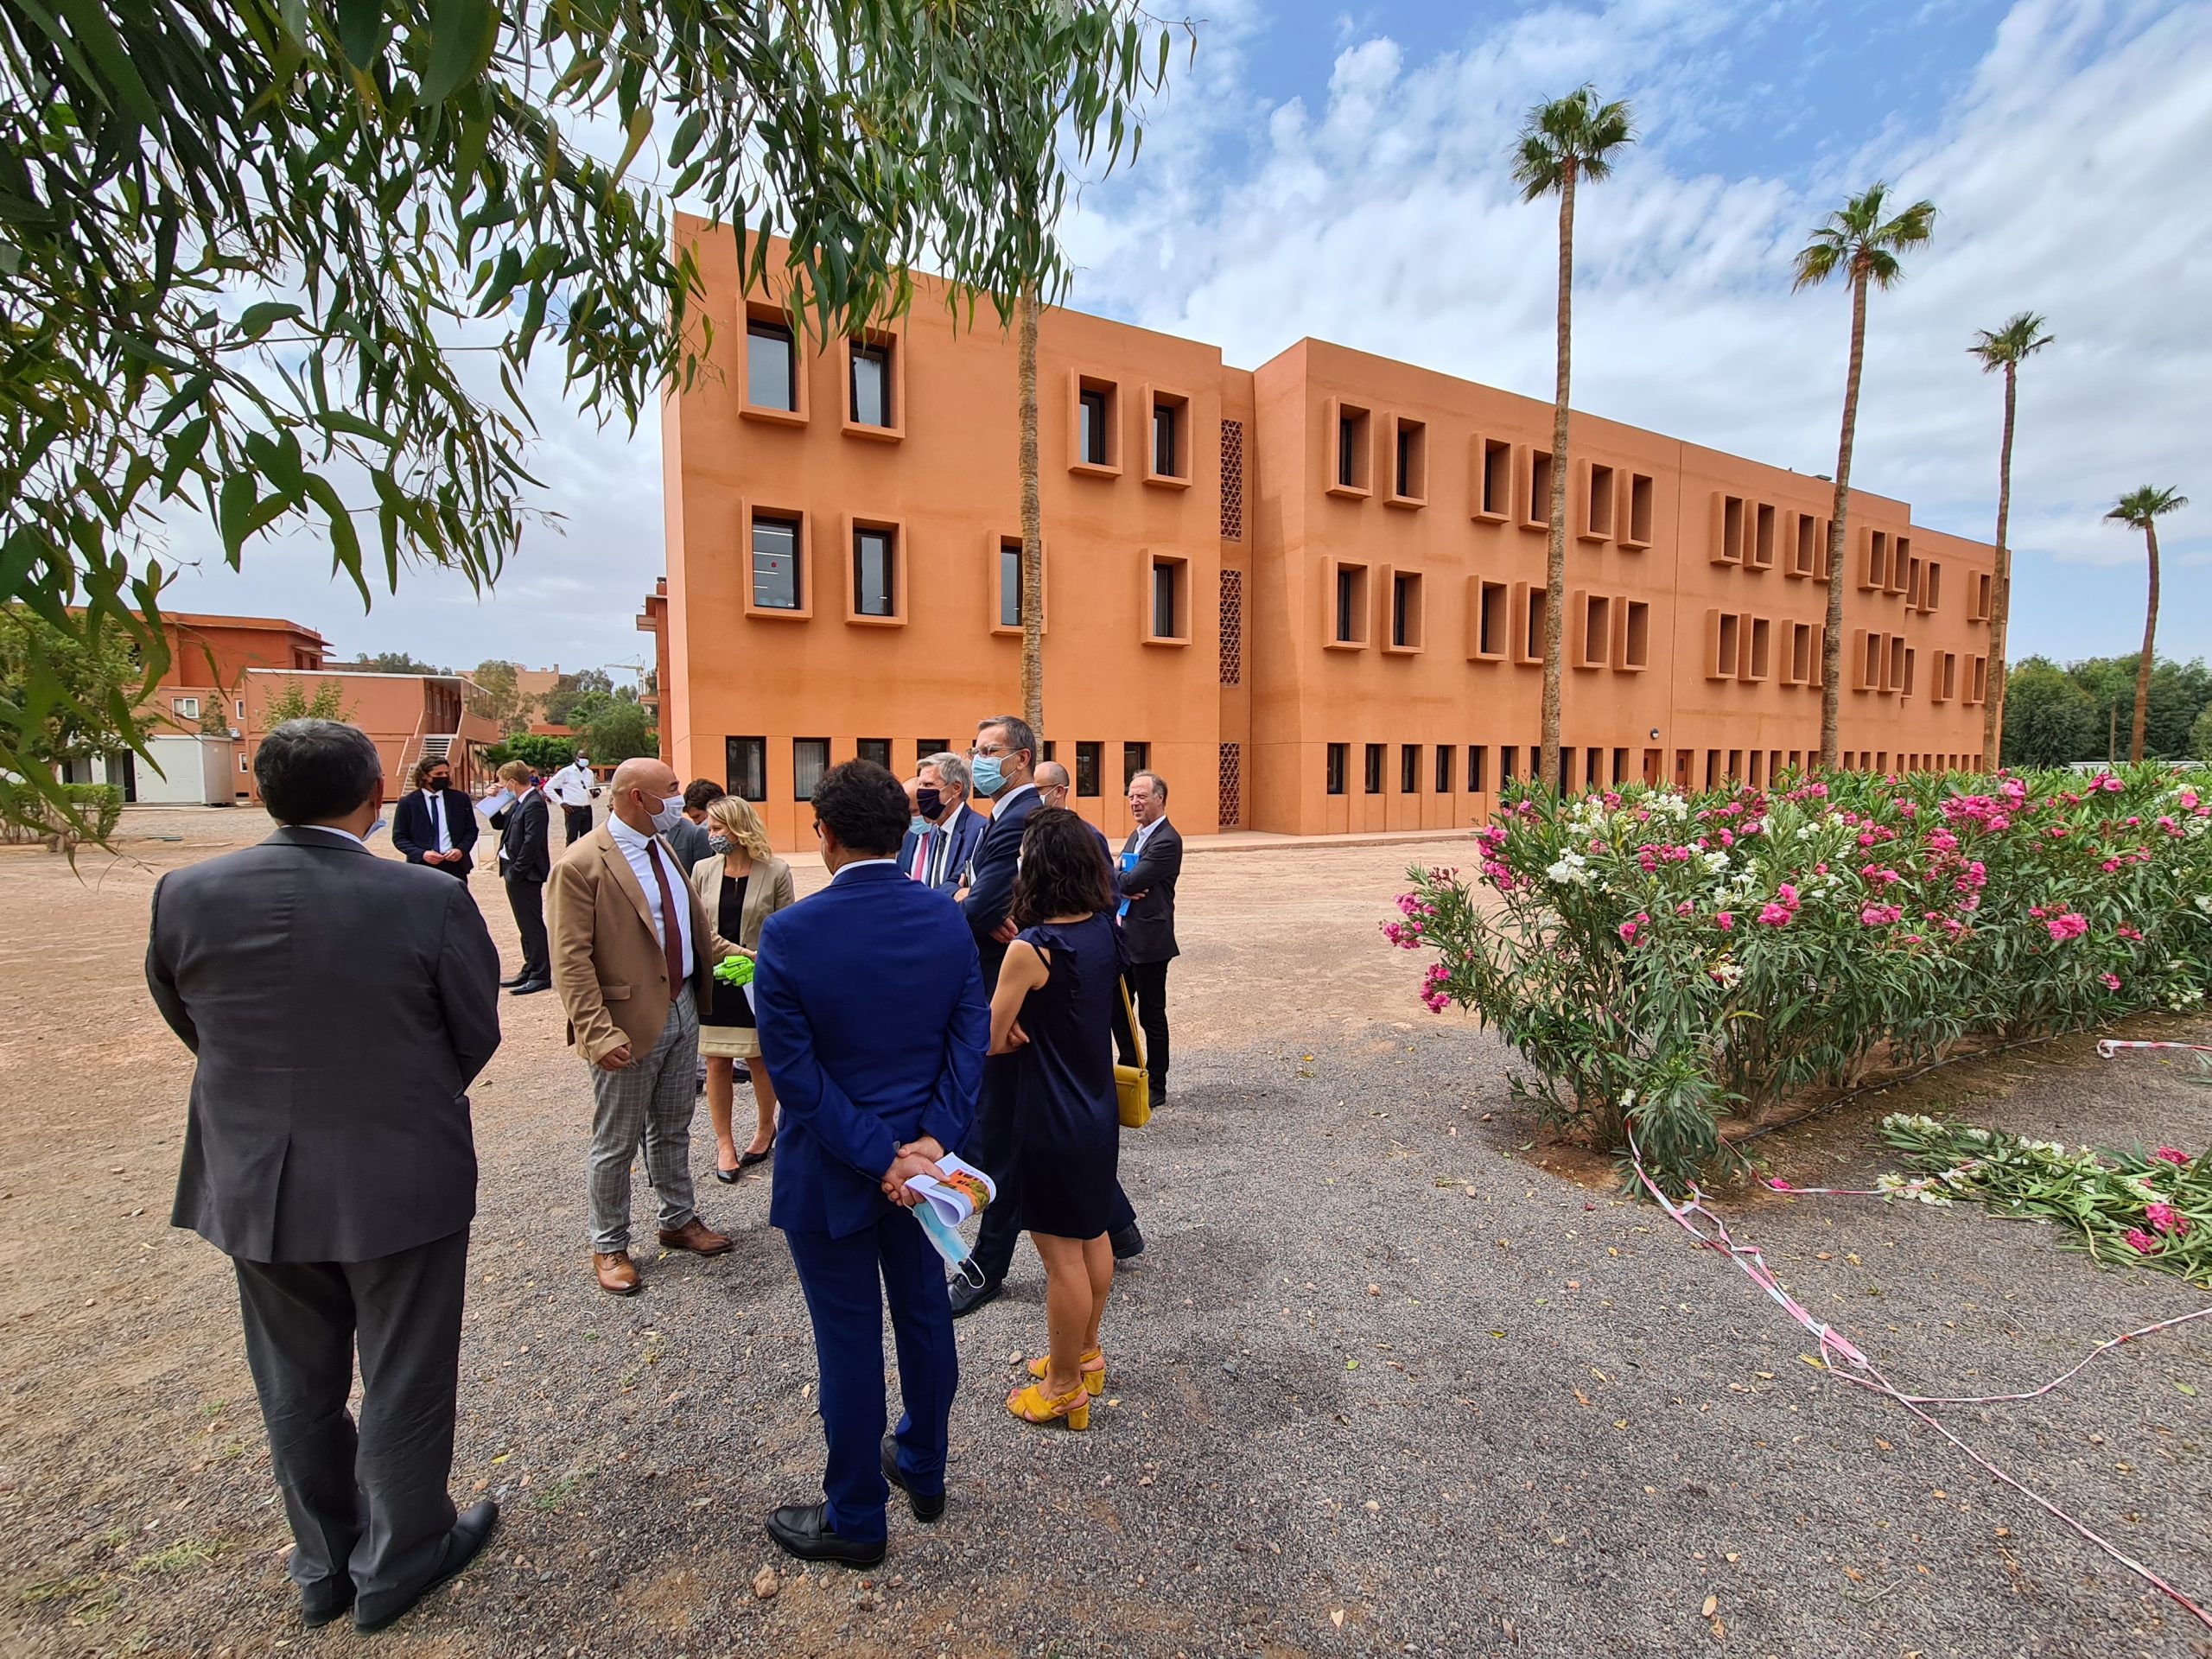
{"points": [[1054, 1008]]}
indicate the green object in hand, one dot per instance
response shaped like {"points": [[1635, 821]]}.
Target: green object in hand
{"points": [[734, 970]]}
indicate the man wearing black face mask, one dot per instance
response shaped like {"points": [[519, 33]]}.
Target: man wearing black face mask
{"points": [[433, 823], [943, 836]]}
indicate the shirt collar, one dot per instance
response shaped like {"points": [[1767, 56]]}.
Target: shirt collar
{"points": [[999, 804], [331, 830], [861, 864], [625, 837]]}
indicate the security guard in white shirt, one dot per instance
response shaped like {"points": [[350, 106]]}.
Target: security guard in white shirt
{"points": [[575, 789]]}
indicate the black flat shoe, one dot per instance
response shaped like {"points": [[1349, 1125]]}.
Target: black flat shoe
{"points": [[470, 1529], [322, 1610], [925, 1508], [803, 1529], [747, 1159], [967, 1298], [1127, 1243]]}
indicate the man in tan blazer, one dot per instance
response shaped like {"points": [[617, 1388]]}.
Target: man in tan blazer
{"points": [[632, 950]]}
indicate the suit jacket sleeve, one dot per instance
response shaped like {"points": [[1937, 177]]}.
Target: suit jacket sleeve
{"points": [[991, 896], [951, 1111], [575, 978], [469, 985], [1160, 864], [161, 979], [461, 820], [803, 1089], [532, 858], [404, 835]]}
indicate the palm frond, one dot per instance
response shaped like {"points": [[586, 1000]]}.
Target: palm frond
{"points": [[1571, 131], [2139, 506], [2022, 336]]}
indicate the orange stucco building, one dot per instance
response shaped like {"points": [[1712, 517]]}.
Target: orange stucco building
{"points": [[1309, 596]]}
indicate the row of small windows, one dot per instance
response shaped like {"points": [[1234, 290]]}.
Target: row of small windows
{"points": [[774, 385], [1505, 622], [746, 762], [1595, 767]]}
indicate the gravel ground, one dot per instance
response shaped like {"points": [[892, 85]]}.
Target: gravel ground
{"points": [[1384, 1382]]}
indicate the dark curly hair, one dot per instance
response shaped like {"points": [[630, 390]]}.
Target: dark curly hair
{"points": [[864, 806], [1063, 870]]}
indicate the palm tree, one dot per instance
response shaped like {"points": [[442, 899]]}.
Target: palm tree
{"points": [[2143, 508], [1569, 139], [2005, 348], [1859, 242], [1032, 527]]}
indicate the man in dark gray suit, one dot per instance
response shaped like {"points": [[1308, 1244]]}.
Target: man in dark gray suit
{"points": [[338, 1003]]}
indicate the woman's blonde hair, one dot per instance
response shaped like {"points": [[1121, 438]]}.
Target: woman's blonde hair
{"points": [[735, 817]]}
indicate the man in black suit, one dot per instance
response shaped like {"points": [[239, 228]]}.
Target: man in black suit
{"points": [[328, 1153], [1001, 768], [526, 864], [434, 823], [1152, 860]]}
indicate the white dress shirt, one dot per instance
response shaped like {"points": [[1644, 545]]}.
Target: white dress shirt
{"points": [[641, 850], [571, 785], [1144, 834], [859, 863], [436, 800]]}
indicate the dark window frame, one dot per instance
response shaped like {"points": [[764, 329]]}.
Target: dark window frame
{"points": [[797, 556], [1372, 768], [799, 771], [1089, 762], [739, 754], [1336, 765], [879, 353], [760, 328], [889, 539]]}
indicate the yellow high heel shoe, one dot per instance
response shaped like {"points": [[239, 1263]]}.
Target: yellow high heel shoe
{"points": [[1030, 1404], [1094, 1372]]}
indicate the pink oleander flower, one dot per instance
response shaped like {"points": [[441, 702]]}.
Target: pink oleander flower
{"points": [[1906, 809], [1777, 1184], [1880, 915], [2105, 780], [1773, 915], [2111, 981], [1866, 838], [1943, 841], [1724, 922], [1788, 894], [2170, 826], [2126, 933], [2142, 1243], [2058, 832], [2186, 798], [1628, 932], [2162, 1216], [1684, 908], [2172, 1156], [2067, 924]]}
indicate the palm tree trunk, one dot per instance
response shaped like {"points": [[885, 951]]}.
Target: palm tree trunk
{"points": [[1839, 534], [1032, 532], [2149, 643], [2001, 588], [1556, 553]]}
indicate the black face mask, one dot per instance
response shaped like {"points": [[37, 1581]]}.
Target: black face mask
{"points": [[440, 784], [929, 803]]}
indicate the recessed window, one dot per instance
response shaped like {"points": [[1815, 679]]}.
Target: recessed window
{"points": [[875, 565], [1931, 584], [1170, 430], [1337, 758], [1135, 758], [1894, 677], [1405, 611], [1980, 610], [1475, 782], [1728, 531], [1408, 768], [1597, 504], [1445, 753], [1408, 461], [1901, 561], [1351, 449], [775, 565], [1641, 492], [1536, 604], [877, 749], [745, 766], [809, 760], [1374, 764], [238, 711], [1492, 619], [1093, 439], [1597, 641], [1762, 537], [771, 366], [186, 707], [871, 383], [1509, 763], [926, 747], [1163, 601], [1905, 681], [1493, 469], [1726, 633], [1097, 423], [1804, 551], [1635, 635], [1089, 759], [1167, 601], [1801, 654], [1874, 568], [1536, 511], [1756, 649], [1009, 584], [244, 766], [1348, 597]]}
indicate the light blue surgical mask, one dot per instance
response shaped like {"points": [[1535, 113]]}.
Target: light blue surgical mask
{"points": [[378, 824], [988, 775], [917, 824], [950, 1244]]}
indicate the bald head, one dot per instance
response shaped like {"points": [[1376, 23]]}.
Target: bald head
{"points": [[641, 788], [1052, 780]]}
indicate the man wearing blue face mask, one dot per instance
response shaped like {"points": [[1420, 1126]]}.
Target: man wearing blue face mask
{"points": [[632, 951], [1002, 768]]}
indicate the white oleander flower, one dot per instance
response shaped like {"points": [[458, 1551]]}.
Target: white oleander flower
{"points": [[1716, 861]]}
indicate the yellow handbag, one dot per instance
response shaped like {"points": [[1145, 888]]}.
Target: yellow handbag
{"points": [[1132, 1085]]}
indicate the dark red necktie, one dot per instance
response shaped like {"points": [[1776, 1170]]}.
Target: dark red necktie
{"points": [[672, 935]]}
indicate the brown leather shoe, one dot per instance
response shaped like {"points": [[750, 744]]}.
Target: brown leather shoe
{"points": [[617, 1274], [696, 1235]]}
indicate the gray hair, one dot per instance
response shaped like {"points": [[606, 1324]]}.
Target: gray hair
{"points": [[1017, 734], [1159, 784], [951, 770]]}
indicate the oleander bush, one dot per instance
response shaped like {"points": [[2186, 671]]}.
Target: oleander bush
{"points": [[98, 807], [1662, 960]]}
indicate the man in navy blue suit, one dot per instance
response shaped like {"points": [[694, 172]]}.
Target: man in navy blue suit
{"points": [[873, 1023], [942, 837]]}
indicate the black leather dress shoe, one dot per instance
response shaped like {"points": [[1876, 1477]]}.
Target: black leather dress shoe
{"points": [[967, 1298], [508, 984], [1127, 1243], [328, 1602], [804, 1530], [470, 1529], [925, 1508], [529, 987]]}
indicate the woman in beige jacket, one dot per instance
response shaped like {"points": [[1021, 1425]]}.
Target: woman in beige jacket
{"points": [[740, 890]]}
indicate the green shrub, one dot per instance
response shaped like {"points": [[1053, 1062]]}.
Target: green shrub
{"points": [[1660, 960], [96, 809]]}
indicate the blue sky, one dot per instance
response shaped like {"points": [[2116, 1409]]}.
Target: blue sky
{"points": [[2066, 142]]}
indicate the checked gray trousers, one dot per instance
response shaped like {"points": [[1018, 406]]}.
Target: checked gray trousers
{"points": [[651, 1099]]}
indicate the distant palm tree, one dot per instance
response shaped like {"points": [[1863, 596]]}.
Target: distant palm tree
{"points": [[2143, 508], [1032, 523], [2007, 348], [1861, 242], [1569, 139]]}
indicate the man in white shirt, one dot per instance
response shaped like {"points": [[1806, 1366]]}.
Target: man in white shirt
{"points": [[575, 787]]}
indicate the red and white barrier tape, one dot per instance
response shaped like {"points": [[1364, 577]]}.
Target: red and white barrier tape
{"points": [[2107, 1047], [1864, 1374]]}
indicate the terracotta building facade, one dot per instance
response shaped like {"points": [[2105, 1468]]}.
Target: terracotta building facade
{"points": [[1310, 595]]}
